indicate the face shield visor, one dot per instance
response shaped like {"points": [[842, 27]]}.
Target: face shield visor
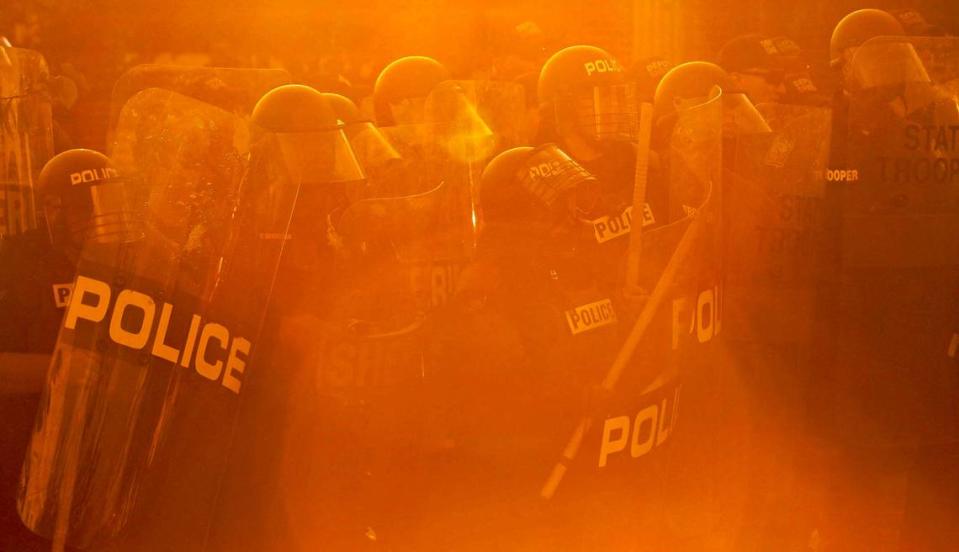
{"points": [[884, 65], [102, 213], [606, 113], [461, 132], [372, 149], [320, 157], [740, 116]]}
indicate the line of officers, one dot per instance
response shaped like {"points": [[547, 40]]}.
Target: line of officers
{"points": [[424, 284]]}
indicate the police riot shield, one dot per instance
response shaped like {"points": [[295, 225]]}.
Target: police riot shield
{"points": [[775, 263], [500, 105], [465, 124], [26, 136], [152, 358], [894, 384], [233, 90], [360, 383], [340, 424], [593, 455]]}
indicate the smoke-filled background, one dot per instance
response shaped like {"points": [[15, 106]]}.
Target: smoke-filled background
{"points": [[339, 45]]}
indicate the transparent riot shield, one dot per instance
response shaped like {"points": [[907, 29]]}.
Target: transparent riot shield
{"points": [[153, 356], [466, 123], [501, 105], [233, 90], [361, 376], [26, 136], [775, 268], [341, 424], [592, 467], [894, 297]]}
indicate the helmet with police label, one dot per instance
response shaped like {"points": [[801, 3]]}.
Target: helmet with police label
{"points": [[856, 28], [402, 87], [85, 197], [589, 93], [537, 184], [647, 73], [310, 135]]}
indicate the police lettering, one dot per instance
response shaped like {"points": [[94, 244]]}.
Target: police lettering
{"points": [[92, 175], [591, 316], [538, 186], [614, 226], [62, 294], [705, 320], [602, 66], [218, 357], [649, 429]]}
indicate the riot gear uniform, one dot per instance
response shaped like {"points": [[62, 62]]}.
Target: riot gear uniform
{"points": [[587, 100], [160, 338], [82, 194], [892, 296]]}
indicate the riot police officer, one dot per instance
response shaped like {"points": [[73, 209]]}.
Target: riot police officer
{"points": [[589, 108], [512, 368], [81, 194]]}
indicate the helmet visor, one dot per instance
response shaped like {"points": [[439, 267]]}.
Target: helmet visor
{"points": [[741, 117], [372, 149], [608, 113], [103, 213], [322, 157], [884, 63]]}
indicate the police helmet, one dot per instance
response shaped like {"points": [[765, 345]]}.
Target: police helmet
{"points": [[85, 197], [402, 85], [529, 184], [687, 82], [589, 92], [309, 133], [857, 27]]}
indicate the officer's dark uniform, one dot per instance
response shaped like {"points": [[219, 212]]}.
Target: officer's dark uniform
{"points": [[35, 282], [513, 368], [568, 81]]}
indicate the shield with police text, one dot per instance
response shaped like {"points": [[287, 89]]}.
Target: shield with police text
{"points": [[26, 136], [605, 464], [155, 348], [893, 289]]}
